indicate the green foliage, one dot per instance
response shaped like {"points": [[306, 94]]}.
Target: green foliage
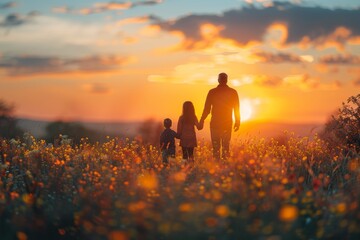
{"points": [[344, 127]]}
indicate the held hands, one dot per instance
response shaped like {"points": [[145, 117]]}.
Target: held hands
{"points": [[200, 125], [236, 126]]}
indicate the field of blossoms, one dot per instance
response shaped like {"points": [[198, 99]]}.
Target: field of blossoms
{"points": [[119, 190]]}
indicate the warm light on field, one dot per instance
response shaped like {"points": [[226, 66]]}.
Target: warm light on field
{"points": [[120, 189]]}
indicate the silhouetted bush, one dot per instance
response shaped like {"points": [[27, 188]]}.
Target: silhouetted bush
{"points": [[73, 131], [149, 132], [343, 129], [8, 124]]}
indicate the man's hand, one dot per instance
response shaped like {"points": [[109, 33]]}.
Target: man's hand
{"points": [[236, 126], [201, 124]]}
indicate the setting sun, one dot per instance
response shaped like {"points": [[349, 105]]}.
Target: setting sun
{"points": [[246, 109]]}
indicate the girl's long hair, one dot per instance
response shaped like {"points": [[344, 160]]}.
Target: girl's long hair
{"points": [[189, 112]]}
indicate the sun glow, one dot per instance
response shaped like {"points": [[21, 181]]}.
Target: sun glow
{"points": [[246, 109]]}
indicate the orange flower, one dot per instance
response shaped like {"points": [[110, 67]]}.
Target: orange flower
{"points": [[288, 213], [148, 181], [222, 211], [118, 235]]}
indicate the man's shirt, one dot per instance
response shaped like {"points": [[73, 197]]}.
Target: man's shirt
{"points": [[221, 102]]}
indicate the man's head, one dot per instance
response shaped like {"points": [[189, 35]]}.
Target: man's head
{"points": [[167, 123], [223, 78]]}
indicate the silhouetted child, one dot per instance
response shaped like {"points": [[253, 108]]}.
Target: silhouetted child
{"points": [[167, 141], [186, 131]]}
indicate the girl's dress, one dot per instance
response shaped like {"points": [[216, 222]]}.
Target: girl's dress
{"points": [[186, 130]]}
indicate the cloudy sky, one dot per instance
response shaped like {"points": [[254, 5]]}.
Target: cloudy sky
{"points": [[291, 61]]}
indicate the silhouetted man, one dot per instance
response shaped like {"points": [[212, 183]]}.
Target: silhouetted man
{"points": [[221, 101]]}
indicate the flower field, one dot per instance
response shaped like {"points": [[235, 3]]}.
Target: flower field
{"points": [[119, 190]]}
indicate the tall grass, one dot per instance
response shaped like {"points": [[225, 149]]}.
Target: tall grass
{"points": [[298, 188]]}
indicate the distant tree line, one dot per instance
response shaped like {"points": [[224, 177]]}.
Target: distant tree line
{"points": [[8, 123], [148, 132], [72, 130], [341, 130]]}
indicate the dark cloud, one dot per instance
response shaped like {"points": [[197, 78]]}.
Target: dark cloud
{"points": [[278, 57], [8, 5], [15, 19], [250, 23], [144, 3], [28, 65], [109, 6], [341, 59]]}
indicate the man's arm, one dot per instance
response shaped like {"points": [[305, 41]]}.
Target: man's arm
{"points": [[236, 112], [175, 134], [207, 108]]}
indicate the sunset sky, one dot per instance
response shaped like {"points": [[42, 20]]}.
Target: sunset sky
{"points": [[290, 61]]}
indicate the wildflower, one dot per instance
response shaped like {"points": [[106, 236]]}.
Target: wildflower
{"points": [[288, 213], [118, 235], [222, 210], [148, 181], [211, 222], [137, 206], [341, 208], [21, 236], [62, 231], [316, 184], [28, 199], [185, 207], [179, 176]]}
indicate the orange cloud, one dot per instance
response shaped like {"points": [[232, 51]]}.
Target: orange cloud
{"points": [[338, 39], [136, 20], [150, 31], [102, 7], [190, 73], [277, 34], [308, 83]]}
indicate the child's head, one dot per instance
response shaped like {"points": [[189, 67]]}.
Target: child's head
{"points": [[167, 123], [188, 110]]}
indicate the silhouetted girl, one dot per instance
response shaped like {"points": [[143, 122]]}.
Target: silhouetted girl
{"points": [[186, 130]]}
